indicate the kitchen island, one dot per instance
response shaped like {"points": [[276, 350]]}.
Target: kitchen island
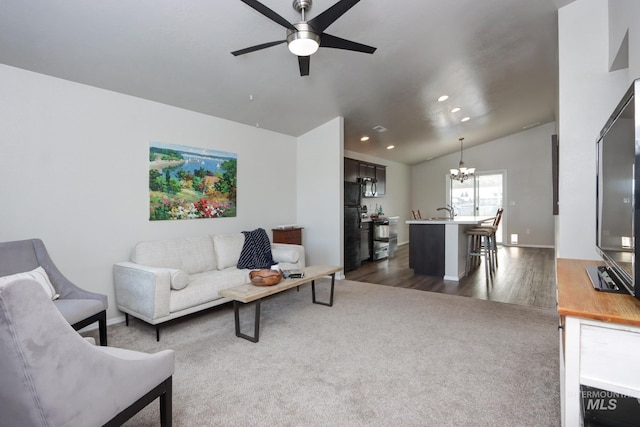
{"points": [[438, 246]]}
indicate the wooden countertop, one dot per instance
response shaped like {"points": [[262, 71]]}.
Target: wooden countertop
{"points": [[578, 298]]}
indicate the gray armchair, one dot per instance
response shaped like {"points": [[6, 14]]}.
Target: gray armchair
{"points": [[51, 376], [81, 308]]}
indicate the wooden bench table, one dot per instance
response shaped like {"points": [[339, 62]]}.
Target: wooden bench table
{"points": [[248, 293]]}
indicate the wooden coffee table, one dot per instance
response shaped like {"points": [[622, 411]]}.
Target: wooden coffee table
{"points": [[249, 293]]}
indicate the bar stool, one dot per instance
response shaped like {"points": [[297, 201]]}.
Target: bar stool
{"points": [[493, 244], [478, 246]]}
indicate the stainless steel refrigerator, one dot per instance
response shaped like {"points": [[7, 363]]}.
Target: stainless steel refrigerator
{"points": [[352, 201]]}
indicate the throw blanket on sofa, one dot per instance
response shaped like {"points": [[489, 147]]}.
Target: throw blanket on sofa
{"points": [[256, 251]]}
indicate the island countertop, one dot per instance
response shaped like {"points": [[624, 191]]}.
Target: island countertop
{"points": [[458, 220], [438, 246]]}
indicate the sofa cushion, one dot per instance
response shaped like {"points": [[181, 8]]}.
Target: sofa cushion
{"points": [[227, 249], [204, 287], [192, 255], [179, 279], [289, 255], [39, 275], [256, 251]]}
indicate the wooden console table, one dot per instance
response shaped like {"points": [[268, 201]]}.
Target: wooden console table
{"points": [[599, 340]]}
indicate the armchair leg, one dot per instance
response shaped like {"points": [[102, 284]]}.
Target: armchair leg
{"points": [[166, 404], [163, 391], [101, 318], [102, 326]]}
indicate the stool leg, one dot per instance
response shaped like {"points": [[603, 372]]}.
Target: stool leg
{"points": [[492, 265], [476, 250], [495, 249], [487, 259], [467, 266]]}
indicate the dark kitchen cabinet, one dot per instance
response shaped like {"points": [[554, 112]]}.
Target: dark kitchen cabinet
{"points": [[373, 177], [365, 240], [367, 171], [351, 170]]}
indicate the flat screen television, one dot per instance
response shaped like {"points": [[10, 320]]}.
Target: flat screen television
{"points": [[618, 197]]}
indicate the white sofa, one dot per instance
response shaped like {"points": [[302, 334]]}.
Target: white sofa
{"points": [[167, 279]]}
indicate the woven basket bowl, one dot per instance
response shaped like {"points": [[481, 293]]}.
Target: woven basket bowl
{"points": [[265, 277]]}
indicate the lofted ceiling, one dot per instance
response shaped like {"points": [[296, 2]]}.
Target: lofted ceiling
{"points": [[496, 59]]}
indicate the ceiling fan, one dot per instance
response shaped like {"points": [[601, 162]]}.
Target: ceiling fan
{"points": [[305, 37]]}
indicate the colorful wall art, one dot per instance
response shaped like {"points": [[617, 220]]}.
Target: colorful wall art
{"points": [[191, 182]]}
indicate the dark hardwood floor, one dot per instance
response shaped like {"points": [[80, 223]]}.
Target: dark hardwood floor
{"points": [[525, 276]]}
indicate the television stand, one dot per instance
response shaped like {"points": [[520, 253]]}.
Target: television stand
{"points": [[604, 281], [599, 339]]}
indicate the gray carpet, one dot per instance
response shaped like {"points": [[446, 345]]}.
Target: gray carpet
{"points": [[380, 356]]}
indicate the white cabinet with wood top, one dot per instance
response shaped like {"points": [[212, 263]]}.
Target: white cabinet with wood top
{"points": [[599, 340]]}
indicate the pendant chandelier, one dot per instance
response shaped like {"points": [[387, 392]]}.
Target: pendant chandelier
{"points": [[462, 173]]}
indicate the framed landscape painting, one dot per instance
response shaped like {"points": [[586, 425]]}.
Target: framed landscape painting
{"points": [[190, 182]]}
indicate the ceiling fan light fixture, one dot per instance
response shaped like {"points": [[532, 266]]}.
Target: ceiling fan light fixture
{"points": [[303, 38], [303, 42], [303, 47]]}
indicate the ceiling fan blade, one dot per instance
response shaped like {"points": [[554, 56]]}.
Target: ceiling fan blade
{"points": [[256, 47], [329, 16], [303, 62], [269, 13], [327, 40]]}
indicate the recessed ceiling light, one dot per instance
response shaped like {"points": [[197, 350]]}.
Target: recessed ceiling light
{"points": [[443, 98], [364, 138], [455, 110], [391, 147], [465, 119]]}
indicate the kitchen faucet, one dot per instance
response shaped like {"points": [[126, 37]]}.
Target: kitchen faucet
{"points": [[449, 209]]}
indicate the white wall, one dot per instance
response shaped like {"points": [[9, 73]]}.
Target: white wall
{"points": [[526, 158], [395, 202], [623, 18], [74, 172], [319, 194], [588, 94]]}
